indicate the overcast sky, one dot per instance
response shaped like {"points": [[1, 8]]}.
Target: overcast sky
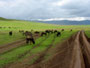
{"points": [[44, 9]]}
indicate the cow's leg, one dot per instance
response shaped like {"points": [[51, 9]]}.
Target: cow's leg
{"points": [[27, 41], [33, 41]]}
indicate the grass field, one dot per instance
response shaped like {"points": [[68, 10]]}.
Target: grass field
{"points": [[13, 55], [42, 43], [5, 38], [26, 25]]}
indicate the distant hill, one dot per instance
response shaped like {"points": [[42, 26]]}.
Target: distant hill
{"points": [[1, 18], [66, 22], [4, 19]]}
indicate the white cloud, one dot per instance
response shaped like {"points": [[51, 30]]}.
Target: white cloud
{"points": [[69, 19], [43, 9], [61, 3]]}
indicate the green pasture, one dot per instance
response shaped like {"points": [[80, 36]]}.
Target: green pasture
{"points": [[5, 38], [15, 26], [88, 33], [12, 56], [27, 25]]}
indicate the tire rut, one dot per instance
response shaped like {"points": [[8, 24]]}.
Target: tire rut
{"points": [[73, 53], [11, 46], [22, 55], [36, 64], [85, 45]]}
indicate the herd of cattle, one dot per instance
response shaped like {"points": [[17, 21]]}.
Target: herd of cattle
{"points": [[30, 37], [7, 27]]}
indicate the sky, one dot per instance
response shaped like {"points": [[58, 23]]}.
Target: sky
{"points": [[45, 9]]}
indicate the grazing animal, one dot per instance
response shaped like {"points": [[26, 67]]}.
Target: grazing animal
{"points": [[58, 34], [55, 31], [26, 33], [36, 32], [29, 38], [43, 33], [47, 31], [10, 33], [51, 31], [62, 30]]}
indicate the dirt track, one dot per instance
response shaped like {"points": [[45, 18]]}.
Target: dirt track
{"points": [[73, 53], [17, 65], [9, 47]]}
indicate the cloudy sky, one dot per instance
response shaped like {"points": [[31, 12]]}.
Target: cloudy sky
{"points": [[44, 9]]}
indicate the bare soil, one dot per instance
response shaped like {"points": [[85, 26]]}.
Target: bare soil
{"points": [[73, 53]]}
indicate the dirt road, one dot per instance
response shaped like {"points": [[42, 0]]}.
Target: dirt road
{"points": [[10, 46], [73, 53]]}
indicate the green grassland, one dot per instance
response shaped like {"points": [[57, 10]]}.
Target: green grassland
{"points": [[27, 25], [17, 25], [5, 38], [12, 56], [87, 33]]}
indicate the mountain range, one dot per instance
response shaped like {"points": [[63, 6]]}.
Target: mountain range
{"points": [[67, 22], [58, 22]]}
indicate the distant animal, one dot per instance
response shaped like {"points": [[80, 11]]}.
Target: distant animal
{"points": [[47, 31], [10, 33], [43, 33], [62, 30], [51, 31], [58, 34], [29, 38], [27, 33], [37, 32], [55, 31]]}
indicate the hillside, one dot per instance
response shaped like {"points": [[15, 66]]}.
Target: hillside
{"points": [[4, 19], [28, 25], [1, 18]]}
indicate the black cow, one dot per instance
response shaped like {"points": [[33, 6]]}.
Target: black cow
{"points": [[58, 34], [47, 31], [43, 33], [55, 31], [37, 32], [10, 33]]}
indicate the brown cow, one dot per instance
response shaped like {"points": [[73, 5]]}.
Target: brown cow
{"points": [[29, 37]]}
